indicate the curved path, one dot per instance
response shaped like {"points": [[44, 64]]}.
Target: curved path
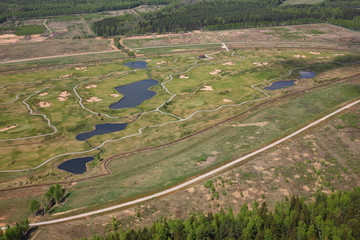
{"points": [[196, 179]]}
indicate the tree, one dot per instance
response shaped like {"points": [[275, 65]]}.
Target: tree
{"points": [[34, 206]]}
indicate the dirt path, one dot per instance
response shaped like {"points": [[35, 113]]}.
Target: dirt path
{"points": [[47, 27], [196, 179]]}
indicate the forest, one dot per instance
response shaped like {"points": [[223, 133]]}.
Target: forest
{"points": [[25, 9], [228, 14], [336, 216]]}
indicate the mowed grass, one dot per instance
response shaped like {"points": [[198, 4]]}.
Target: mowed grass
{"points": [[152, 171], [176, 49], [295, 2]]}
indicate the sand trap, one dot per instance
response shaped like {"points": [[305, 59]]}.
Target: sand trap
{"points": [[115, 95], [80, 68], [339, 54], [229, 63], [61, 99], [259, 124], [323, 57], [94, 99], [66, 75], [44, 104], [316, 53], [300, 56], [207, 88], [63, 96], [43, 94], [147, 60], [91, 86], [7, 128], [183, 76], [216, 71], [162, 62], [227, 100], [259, 64]]}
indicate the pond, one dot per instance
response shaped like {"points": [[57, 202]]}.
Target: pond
{"points": [[101, 129], [280, 84], [306, 74], [134, 93], [137, 64], [76, 165]]}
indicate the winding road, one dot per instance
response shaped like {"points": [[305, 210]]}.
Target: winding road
{"points": [[196, 179]]}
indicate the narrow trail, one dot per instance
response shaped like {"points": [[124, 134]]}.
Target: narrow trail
{"points": [[198, 178], [47, 27], [140, 130]]}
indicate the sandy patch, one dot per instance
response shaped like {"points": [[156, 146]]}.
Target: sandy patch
{"points": [[63, 96], [147, 60], [80, 68], [215, 72], [94, 99], [229, 63], [236, 194], [191, 190], [66, 75], [306, 188], [183, 76], [43, 94], [61, 99], [227, 100], [259, 124], [7, 128], [339, 54], [300, 56], [91, 86], [207, 88], [259, 64], [323, 57], [316, 53], [162, 62], [115, 95], [44, 104]]}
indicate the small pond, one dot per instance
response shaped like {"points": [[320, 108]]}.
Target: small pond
{"points": [[306, 74], [137, 64], [280, 84], [76, 165], [134, 93], [101, 129]]}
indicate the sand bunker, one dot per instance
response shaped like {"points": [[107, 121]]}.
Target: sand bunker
{"points": [[183, 76], [227, 100], [63, 96], [91, 86], [300, 56], [7, 128], [162, 62], [44, 104], [115, 95], [229, 63], [259, 124], [259, 64], [80, 68], [94, 99], [207, 88], [43, 94], [66, 75], [339, 54], [316, 53], [216, 71]]}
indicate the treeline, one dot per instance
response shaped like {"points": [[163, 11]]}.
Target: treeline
{"points": [[330, 217], [55, 194], [227, 14], [16, 232], [24, 9]]}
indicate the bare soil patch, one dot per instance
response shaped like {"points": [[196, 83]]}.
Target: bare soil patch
{"points": [[43, 94], [259, 64], [8, 128], [91, 86], [184, 76], [215, 72], [43, 104], [80, 68], [227, 100], [66, 75], [207, 88], [94, 99], [259, 124], [315, 53], [114, 95], [162, 62], [229, 63], [300, 56]]}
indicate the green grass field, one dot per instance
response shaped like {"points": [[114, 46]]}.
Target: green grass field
{"points": [[294, 2]]}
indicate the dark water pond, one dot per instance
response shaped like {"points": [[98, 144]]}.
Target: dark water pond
{"points": [[101, 129], [76, 165], [134, 94], [280, 84], [307, 74], [137, 64]]}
